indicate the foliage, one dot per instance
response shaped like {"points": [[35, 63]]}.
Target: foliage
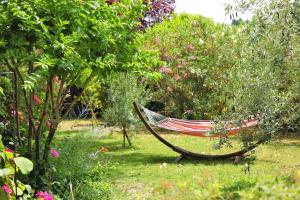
{"points": [[265, 77], [52, 45], [198, 55], [88, 171], [6, 113], [233, 72], [12, 165], [158, 11], [124, 90], [5, 89]]}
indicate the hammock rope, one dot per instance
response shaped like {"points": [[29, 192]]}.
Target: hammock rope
{"points": [[199, 128]]}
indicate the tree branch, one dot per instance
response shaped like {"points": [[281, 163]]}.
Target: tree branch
{"points": [[79, 96], [44, 110], [28, 107]]}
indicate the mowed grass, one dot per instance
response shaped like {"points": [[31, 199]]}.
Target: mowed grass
{"points": [[147, 169]]}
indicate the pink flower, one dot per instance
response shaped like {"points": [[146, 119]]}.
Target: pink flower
{"points": [[44, 195], [6, 189], [185, 75], [190, 47], [165, 70], [20, 114], [37, 100], [13, 113], [183, 63], [39, 194], [54, 153], [8, 150], [177, 77], [180, 66]]}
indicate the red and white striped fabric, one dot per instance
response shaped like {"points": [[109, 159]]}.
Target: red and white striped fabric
{"points": [[200, 128]]}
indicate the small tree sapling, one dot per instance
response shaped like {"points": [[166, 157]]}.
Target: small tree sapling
{"points": [[125, 89]]}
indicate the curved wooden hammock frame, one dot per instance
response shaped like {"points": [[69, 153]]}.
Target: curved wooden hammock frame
{"points": [[185, 153]]}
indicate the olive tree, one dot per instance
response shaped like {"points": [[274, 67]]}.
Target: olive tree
{"points": [[124, 90], [265, 78]]}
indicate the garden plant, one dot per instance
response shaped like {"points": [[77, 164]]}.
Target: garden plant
{"points": [[104, 55]]}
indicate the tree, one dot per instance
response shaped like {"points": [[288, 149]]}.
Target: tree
{"points": [[124, 90], [198, 54], [52, 45], [265, 77]]}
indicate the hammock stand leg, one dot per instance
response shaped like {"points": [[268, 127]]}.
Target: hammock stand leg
{"points": [[179, 158], [238, 159]]}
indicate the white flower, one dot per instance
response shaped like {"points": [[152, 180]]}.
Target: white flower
{"points": [[201, 41], [163, 165]]}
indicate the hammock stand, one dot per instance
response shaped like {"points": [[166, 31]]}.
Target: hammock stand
{"points": [[188, 154]]}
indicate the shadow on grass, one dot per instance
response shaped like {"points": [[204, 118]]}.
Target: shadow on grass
{"points": [[137, 158], [132, 156]]}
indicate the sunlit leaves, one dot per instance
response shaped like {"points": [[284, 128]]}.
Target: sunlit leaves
{"points": [[24, 164], [76, 41], [267, 73]]}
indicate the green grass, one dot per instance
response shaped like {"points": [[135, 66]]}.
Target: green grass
{"points": [[139, 173]]}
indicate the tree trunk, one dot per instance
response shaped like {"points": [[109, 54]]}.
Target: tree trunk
{"points": [[94, 118], [30, 123], [125, 135], [16, 103], [30, 127], [37, 146], [56, 107], [123, 139], [49, 139], [30, 135]]}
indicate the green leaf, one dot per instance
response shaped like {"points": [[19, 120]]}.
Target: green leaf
{"points": [[24, 164], [6, 171], [8, 154], [29, 189], [1, 144], [1, 91], [21, 186]]}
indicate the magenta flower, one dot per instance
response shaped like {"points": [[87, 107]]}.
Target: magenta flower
{"points": [[6, 189], [54, 153], [44, 195]]}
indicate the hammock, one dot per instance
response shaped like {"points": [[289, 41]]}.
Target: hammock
{"points": [[191, 127], [199, 128]]}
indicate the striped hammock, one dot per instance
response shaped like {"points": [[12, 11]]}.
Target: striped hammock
{"points": [[200, 128]]}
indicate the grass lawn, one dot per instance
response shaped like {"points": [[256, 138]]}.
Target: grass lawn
{"points": [[147, 170]]}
